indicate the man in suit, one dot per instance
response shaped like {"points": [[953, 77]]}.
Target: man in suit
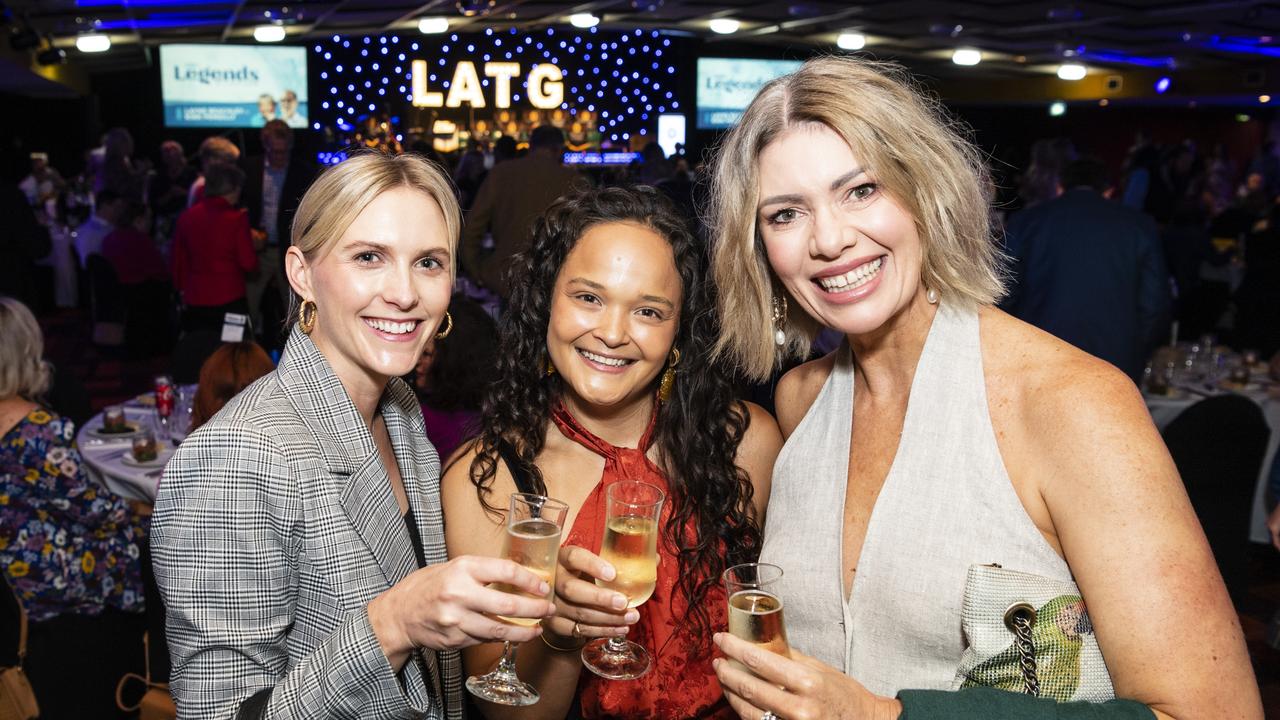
{"points": [[275, 182], [1090, 271], [513, 194]]}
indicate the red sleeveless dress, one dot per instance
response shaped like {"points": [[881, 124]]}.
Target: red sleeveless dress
{"points": [[681, 684]]}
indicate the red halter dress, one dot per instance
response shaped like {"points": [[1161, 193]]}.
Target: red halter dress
{"points": [[681, 684]]}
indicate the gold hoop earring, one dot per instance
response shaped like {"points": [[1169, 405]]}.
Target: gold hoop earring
{"points": [[448, 326], [307, 313], [551, 367], [668, 380], [779, 320]]}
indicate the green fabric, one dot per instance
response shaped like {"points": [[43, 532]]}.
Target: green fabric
{"points": [[992, 704]]}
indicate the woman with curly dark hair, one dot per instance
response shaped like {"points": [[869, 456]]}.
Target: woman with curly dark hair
{"points": [[604, 375]]}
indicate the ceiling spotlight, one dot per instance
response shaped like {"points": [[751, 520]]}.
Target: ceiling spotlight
{"points": [[268, 33], [472, 8], [94, 43], [966, 56], [1162, 85], [1071, 71], [851, 41], [584, 20], [433, 25], [725, 26], [1057, 108]]}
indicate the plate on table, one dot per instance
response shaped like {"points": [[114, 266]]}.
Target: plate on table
{"points": [[162, 456], [103, 434], [146, 400]]}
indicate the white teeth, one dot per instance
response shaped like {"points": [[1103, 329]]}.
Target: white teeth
{"points": [[614, 362], [854, 278], [394, 328]]}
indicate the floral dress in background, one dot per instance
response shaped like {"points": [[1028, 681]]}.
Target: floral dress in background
{"points": [[67, 545]]}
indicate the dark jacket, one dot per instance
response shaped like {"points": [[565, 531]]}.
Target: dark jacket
{"points": [[1091, 272], [296, 181]]}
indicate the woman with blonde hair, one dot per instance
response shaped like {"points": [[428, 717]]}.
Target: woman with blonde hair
{"points": [[297, 535], [942, 439]]}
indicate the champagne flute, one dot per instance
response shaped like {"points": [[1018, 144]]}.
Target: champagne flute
{"points": [[534, 525], [755, 609], [631, 546]]}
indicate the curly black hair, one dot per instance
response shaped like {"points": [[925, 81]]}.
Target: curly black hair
{"points": [[713, 524]]}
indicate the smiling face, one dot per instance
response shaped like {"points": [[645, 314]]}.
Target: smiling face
{"points": [[381, 290], [845, 250], [615, 310]]}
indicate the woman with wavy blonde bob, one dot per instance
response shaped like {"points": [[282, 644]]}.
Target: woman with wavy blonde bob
{"points": [[298, 535], [943, 437]]}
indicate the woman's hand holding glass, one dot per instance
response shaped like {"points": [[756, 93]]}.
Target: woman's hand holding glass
{"points": [[451, 606], [795, 688], [583, 608]]}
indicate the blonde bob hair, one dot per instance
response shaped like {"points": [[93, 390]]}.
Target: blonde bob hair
{"points": [[23, 371], [905, 140], [343, 191]]}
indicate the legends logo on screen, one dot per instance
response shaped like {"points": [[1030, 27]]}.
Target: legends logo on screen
{"points": [[227, 86], [727, 85]]}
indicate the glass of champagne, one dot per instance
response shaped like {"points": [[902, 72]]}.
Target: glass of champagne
{"points": [[534, 525], [631, 546], [755, 609]]}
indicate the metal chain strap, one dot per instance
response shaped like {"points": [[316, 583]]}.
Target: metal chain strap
{"points": [[1026, 653]]}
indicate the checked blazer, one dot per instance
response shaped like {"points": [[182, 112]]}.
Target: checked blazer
{"points": [[274, 527]]}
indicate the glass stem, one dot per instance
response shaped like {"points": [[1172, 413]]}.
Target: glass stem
{"points": [[507, 665], [617, 645]]}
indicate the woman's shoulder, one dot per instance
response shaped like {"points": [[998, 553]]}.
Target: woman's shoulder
{"points": [[1052, 384], [798, 388]]}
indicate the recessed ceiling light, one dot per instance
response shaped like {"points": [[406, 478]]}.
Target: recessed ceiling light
{"points": [[268, 33], [1057, 108], [1071, 71], [851, 41], [433, 25], [725, 26], [93, 43], [584, 20], [966, 56]]}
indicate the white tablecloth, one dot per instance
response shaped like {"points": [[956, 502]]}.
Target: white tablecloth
{"points": [[105, 459], [1164, 410]]}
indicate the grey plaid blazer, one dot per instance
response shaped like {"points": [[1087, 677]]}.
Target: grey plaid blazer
{"points": [[274, 527]]}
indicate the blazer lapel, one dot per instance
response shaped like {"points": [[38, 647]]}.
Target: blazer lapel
{"points": [[359, 479], [420, 472]]}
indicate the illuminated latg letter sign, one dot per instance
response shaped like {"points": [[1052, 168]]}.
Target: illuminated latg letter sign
{"points": [[546, 85]]}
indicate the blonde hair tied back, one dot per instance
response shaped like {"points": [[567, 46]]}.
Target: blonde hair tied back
{"points": [[904, 138], [343, 191]]}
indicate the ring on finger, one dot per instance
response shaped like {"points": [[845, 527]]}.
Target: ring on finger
{"points": [[768, 715], [577, 631]]}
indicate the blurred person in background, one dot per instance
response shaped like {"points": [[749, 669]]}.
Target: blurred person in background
{"points": [[230, 369], [512, 195], [274, 183], [68, 546], [43, 184], [131, 250], [213, 251], [108, 207], [120, 172], [23, 241], [454, 373], [167, 192], [213, 150]]}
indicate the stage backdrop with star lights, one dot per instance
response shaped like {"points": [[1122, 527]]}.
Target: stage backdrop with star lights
{"points": [[614, 83]]}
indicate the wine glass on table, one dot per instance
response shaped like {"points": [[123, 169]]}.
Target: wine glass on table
{"points": [[534, 526], [631, 546], [755, 609]]}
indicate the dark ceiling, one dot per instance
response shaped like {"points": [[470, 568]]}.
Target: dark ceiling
{"points": [[1015, 37]]}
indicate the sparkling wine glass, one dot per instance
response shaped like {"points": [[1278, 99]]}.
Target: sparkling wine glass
{"points": [[631, 546], [755, 608], [534, 525]]}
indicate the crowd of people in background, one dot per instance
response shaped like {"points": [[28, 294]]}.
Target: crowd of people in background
{"points": [[162, 252]]}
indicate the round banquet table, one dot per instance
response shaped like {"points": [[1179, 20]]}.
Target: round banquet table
{"points": [[1267, 395], [105, 458]]}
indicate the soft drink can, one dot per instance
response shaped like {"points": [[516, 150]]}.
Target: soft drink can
{"points": [[164, 396]]}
